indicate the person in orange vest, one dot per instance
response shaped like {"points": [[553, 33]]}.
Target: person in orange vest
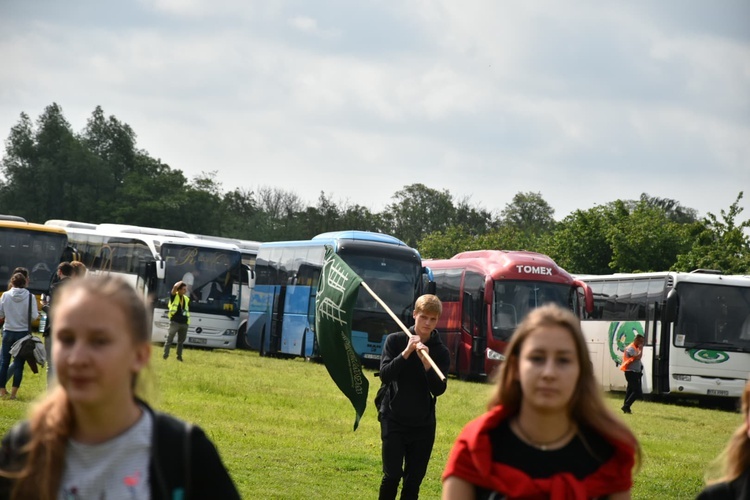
{"points": [[633, 368]]}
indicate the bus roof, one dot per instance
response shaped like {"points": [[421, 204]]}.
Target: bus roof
{"points": [[153, 241], [361, 236], [154, 231], [70, 223], [30, 226], [692, 277], [505, 264], [16, 218], [245, 246]]}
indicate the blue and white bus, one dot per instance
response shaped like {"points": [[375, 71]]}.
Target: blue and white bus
{"points": [[282, 305], [696, 326]]}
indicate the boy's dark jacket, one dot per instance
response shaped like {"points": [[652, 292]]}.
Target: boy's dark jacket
{"points": [[183, 460], [412, 391]]}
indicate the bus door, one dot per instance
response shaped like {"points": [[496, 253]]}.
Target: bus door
{"points": [[299, 301], [662, 327], [473, 334], [275, 330]]}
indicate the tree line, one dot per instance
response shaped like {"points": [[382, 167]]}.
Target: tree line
{"points": [[100, 175]]}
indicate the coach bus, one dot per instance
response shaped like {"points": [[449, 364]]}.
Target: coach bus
{"points": [[154, 259], [487, 293], [249, 251], [36, 247], [282, 305], [696, 327]]}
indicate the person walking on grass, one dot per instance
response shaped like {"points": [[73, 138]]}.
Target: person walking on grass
{"points": [[92, 436], [179, 318], [633, 368], [18, 307], [407, 410]]}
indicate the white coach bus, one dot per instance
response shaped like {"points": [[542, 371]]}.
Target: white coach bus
{"points": [[696, 326], [154, 259]]}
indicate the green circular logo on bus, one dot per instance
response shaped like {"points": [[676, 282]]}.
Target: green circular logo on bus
{"points": [[622, 335], [708, 356]]}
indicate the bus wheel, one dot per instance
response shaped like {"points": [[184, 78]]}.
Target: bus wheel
{"points": [[262, 348], [242, 338]]}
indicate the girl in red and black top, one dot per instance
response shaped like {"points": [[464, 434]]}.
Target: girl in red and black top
{"points": [[548, 432]]}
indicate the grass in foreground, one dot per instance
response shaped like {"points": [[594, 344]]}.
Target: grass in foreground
{"points": [[285, 431]]}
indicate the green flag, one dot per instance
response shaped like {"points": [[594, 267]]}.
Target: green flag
{"points": [[334, 308]]}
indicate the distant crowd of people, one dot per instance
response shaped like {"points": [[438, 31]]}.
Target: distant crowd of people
{"points": [[547, 431]]}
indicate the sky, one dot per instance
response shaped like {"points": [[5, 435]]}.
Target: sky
{"points": [[584, 102]]}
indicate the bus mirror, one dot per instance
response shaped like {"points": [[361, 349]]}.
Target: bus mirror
{"points": [[588, 295], [160, 270]]}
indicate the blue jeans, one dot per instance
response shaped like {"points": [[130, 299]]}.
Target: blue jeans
{"points": [[9, 338]]}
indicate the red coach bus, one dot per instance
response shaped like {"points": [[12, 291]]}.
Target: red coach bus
{"points": [[487, 293]]}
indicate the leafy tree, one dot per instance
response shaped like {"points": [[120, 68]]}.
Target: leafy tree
{"points": [[645, 240], [43, 167], [241, 212], [152, 195], [507, 238], [719, 244], [278, 207], [321, 218], [580, 244], [360, 218], [114, 143], [673, 210], [418, 210], [529, 213], [446, 244], [203, 210]]}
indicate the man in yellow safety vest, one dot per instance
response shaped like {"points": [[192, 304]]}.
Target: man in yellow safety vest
{"points": [[179, 318]]}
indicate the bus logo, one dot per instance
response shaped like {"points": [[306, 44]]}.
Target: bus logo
{"points": [[708, 356], [622, 335]]}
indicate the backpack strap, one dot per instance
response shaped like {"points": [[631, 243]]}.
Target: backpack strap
{"points": [[172, 477], [28, 318]]}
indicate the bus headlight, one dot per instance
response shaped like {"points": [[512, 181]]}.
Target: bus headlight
{"points": [[162, 324], [229, 333], [494, 355], [684, 378]]}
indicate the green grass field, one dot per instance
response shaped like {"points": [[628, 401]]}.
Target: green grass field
{"points": [[285, 431]]}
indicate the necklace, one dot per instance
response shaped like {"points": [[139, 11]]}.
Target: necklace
{"points": [[549, 445]]}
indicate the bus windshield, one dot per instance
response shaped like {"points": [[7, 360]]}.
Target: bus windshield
{"points": [[210, 274], [37, 251], [392, 279], [515, 299], [713, 316]]}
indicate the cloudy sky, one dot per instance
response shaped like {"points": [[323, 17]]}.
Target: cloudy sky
{"points": [[584, 102]]}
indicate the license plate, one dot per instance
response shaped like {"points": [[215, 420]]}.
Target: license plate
{"points": [[716, 392], [371, 356], [195, 340]]}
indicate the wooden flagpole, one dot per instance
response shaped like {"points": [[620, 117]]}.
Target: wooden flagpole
{"points": [[404, 328]]}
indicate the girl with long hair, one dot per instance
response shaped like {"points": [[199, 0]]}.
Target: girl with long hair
{"points": [[547, 432], [91, 436]]}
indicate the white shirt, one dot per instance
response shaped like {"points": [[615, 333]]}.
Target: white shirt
{"points": [[117, 468]]}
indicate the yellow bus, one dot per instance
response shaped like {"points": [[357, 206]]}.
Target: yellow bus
{"points": [[36, 247]]}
